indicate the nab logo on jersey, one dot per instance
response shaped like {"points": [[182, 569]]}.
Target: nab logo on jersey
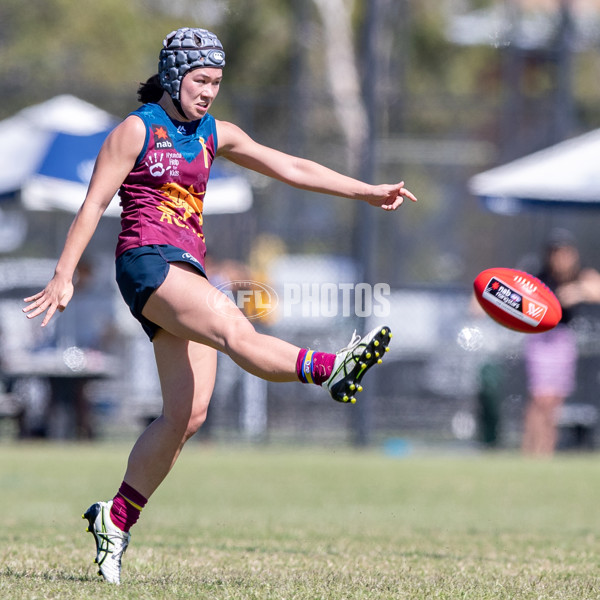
{"points": [[161, 137]]}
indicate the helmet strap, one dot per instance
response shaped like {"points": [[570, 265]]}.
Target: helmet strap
{"points": [[179, 108]]}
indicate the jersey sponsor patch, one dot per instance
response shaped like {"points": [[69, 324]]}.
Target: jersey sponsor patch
{"points": [[161, 137]]}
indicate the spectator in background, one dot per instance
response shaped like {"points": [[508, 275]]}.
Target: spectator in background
{"points": [[89, 323], [87, 330], [551, 357]]}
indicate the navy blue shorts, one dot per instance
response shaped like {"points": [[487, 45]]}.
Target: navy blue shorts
{"points": [[142, 270]]}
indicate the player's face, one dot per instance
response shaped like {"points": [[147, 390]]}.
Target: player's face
{"points": [[198, 90]]}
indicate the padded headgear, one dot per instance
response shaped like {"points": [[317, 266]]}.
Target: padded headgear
{"points": [[186, 49]]}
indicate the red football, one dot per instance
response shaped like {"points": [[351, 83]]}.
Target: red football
{"points": [[517, 300]]}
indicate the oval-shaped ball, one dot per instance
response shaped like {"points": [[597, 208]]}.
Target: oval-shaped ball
{"points": [[517, 300]]}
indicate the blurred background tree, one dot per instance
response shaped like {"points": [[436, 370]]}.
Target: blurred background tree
{"points": [[445, 110], [429, 91]]}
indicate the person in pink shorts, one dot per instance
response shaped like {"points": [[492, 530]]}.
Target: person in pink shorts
{"points": [[551, 357]]}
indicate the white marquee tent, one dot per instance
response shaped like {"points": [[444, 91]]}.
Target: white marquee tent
{"points": [[564, 175]]}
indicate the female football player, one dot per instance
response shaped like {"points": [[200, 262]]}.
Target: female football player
{"points": [[159, 160]]}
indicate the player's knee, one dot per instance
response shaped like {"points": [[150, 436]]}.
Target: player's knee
{"points": [[185, 423], [195, 421], [237, 334]]}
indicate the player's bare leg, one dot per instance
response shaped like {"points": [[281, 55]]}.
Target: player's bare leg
{"points": [[189, 307], [187, 374]]}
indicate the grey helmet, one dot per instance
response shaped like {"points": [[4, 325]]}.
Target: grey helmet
{"points": [[186, 49]]}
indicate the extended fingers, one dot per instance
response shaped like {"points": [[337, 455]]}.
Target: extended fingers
{"points": [[37, 307], [399, 199], [40, 303], [34, 297], [51, 312], [408, 194], [35, 302], [404, 193]]}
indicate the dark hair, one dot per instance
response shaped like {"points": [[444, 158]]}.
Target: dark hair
{"points": [[560, 238], [150, 90]]}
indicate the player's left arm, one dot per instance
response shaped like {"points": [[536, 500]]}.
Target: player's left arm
{"points": [[240, 148]]}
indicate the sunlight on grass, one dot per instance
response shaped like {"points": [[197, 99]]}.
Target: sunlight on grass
{"points": [[284, 522]]}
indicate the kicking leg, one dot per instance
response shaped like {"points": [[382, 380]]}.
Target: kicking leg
{"points": [[189, 307]]}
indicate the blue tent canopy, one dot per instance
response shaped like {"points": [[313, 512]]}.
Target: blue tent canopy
{"points": [[57, 143], [72, 157], [27, 136]]}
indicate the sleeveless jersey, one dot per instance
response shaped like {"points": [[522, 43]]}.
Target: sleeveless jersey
{"points": [[163, 196]]}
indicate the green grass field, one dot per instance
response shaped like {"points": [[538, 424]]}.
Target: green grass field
{"points": [[284, 523]]}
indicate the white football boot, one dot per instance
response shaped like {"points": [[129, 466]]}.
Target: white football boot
{"points": [[353, 361], [111, 542]]}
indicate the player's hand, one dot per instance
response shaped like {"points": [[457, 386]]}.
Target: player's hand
{"points": [[390, 197], [55, 296]]}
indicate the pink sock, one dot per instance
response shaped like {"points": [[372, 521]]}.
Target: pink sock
{"points": [[314, 367], [127, 506]]}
